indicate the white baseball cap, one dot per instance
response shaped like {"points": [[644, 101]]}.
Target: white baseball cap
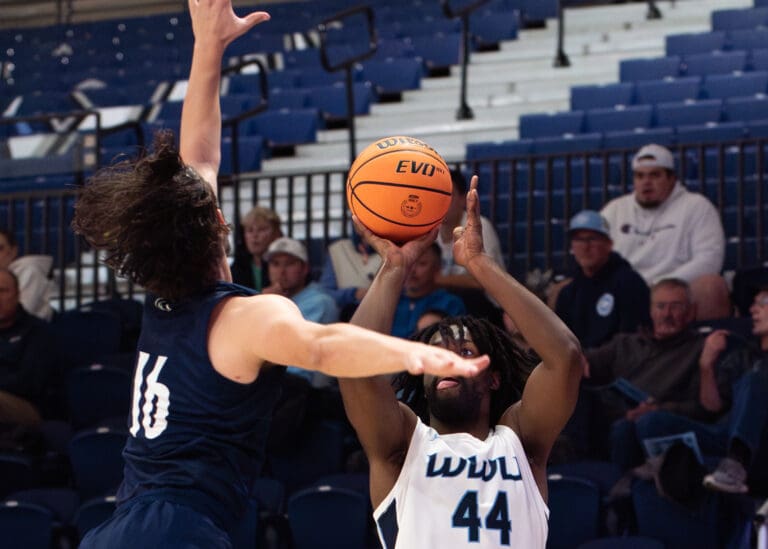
{"points": [[653, 156], [285, 245]]}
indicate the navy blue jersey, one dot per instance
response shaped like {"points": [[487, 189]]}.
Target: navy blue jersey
{"points": [[196, 437]]}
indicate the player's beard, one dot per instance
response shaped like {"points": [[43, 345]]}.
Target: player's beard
{"points": [[459, 407]]}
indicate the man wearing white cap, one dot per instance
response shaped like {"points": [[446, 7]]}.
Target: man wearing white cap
{"points": [[666, 231]]}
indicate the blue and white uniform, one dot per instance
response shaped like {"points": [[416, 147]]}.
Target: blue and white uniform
{"points": [[455, 490], [197, 439]]}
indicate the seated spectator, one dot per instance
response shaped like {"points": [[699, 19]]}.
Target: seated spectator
{"points": [[605, 296], [26, 357], [33, 273], [349, 269], [736, 389], [666, 231], [662, 363], [421, 293], [260, 227]]}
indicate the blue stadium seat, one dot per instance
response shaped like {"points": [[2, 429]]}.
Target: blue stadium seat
{"points": [[747, 39], [393, 47], [619, 118], [393, 76], [682, 113], [438, 51], [757, 128], [740, 84], [285, 128], [719, 62], [288, 98], [25, 525], [745, 108], [551, 124], [758, 59], [428, 26], [331, 101], [250, 154], [17, 472], [602, 95], [710, 133], [97, 394], [85, 337], [634, 139], [667, 90], [489, 27], [299, 59], [700, 42], [498, 149], [655, 68], [328, 518], [92, 513], [568, 143], [96, 456], [574, 511], [733, 19]]}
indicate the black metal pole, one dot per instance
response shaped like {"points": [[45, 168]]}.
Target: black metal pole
{"points": [[351, 114], [653, 11], [561, 58], [465, 111]]}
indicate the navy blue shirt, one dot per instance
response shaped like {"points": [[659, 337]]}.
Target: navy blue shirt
{"points": [[615, 300], [196, 437]]}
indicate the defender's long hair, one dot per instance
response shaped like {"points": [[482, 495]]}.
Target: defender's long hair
{"points": [[512, 363], [157, 221]]}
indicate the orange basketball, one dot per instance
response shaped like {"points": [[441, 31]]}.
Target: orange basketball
{"points": [[399, 187]]}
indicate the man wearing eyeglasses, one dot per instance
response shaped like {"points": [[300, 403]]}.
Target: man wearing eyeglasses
{"points": [[660, 366], [606, 296]]}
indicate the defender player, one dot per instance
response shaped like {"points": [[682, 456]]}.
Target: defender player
{"points": [[203, 391], [462, 462]]}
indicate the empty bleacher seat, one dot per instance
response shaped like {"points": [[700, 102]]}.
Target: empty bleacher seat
{"points": [[655, 68], [732, 19], [602, 95], [681, 113], [634, 139], [745, 108], [747, 39], [331, 101], [285, 128], [619, 118], [498, 149], [722, 86], [438, 51], [489, 27], [551, 124], [96, 457], [393, 76], [667, 90], [719, 62], [25, 525], [701, 42], [710, 133], [327, 517], [574, 507], [96, 394], [568, 143]]}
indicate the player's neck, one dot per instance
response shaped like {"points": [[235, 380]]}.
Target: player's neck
{"points": [[477, 428]]}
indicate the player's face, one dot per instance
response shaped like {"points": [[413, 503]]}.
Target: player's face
{"points": [[288, 272], [671, 311], [590, 250], [258, 236], [7, 252], [759, 312], [457, 400], [652, 186]]}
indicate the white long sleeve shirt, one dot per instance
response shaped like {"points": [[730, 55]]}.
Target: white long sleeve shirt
{"points": [[681, 238]]}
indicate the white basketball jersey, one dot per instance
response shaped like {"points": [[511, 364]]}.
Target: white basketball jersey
{"points": [[457, 491]]}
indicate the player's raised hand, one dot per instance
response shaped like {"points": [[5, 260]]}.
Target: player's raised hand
{"points": [[430, 359], [216, 20], [404, 255], [468, 240]]}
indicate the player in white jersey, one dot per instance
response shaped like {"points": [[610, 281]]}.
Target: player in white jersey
{"points": [[462, 462]]}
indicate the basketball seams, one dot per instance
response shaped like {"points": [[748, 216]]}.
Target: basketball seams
{"points": [[388, 220], [400, 185], [393, 151]]}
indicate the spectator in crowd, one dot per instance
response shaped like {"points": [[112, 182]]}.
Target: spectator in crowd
{"points": [[33, 273], [605, 296], [428, 318], [26, 357], [734, 388], [661, 366], [421, 293], [666, 231], [260, 226], [288, 265], [349, 269], [454, 277]]}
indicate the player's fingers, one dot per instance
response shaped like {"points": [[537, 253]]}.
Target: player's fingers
{"points": [[254, 18]]}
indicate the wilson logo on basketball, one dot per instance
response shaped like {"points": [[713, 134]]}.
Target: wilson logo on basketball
{"points": [[400, 140], [424, 168], [411, 207]]}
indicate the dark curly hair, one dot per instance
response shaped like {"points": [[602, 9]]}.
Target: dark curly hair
{"points": [[157, 221], [513, 364]]}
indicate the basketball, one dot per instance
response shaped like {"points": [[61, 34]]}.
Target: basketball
{"points": [[399, 187]]}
